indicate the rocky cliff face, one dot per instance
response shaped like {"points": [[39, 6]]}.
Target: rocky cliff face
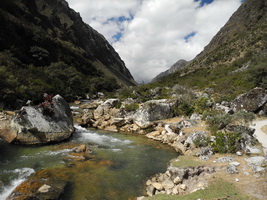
{"points": [[41, 38], [174, 68]]}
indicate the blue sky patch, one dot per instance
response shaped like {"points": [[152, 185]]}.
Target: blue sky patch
{"points": [[120, 19], [203, 2], [117, 36], [187, 37]]}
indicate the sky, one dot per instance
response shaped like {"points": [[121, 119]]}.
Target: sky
{"points": [[151, 35]]}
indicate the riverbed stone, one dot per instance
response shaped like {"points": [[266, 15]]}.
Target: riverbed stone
{"points": [[150, 190], [167, 184], [45, 188], [183, 187], [158, 186], [177, 180]]}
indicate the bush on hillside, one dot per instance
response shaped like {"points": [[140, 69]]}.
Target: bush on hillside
{"points": [[227, 142]]}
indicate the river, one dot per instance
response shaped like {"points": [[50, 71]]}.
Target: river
{"points": [[119, 167]]}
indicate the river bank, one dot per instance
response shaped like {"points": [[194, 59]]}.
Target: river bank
{"points": [[238, 171]]}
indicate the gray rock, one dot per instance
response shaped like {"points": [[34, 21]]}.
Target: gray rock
{"points": [[205, 153], [224, 159], [256, 161], [252, 150], [98, 112], [111, 102], [183, 187], [87, 117], [167, 184], [258, 169], [232, 169], [158, 186], [32, 126], [251, 101], [235, 164], [151, 111], [197, 137], [150, 190]]}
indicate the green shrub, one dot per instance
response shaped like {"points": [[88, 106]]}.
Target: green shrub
{"points": [[227, 142], [243, 118], [117, 104], [218, 122], [183, 108], [131, 107], [202, 141], [201, 105]]}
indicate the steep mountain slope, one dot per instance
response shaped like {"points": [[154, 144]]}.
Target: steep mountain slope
{"points": [[45, 46], [235, 59], [174, 68]]}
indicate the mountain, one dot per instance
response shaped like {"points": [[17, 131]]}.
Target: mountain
{"points": [[174, 68], [235, 59], [46, 47]]}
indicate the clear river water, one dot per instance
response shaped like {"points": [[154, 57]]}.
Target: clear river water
{"points": [[117, 170]]}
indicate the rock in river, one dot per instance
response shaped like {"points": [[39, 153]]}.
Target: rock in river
{"points": [[31, 125]]}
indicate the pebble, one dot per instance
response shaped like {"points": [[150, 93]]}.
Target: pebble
{"points": [[235, 164]]}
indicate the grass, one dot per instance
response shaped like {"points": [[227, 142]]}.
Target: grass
{"points": [[218, 189], [187, 161]]}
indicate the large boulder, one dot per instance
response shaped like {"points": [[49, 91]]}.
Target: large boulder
{"points": [[35, 125], [252, 101], [151, 111]]}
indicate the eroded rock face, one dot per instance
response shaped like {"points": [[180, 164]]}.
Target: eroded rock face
{"points": [[251, 101], [31, 126]]}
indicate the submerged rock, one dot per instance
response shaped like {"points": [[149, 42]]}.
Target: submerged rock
{"points": [[45, 184], [31, 125]]}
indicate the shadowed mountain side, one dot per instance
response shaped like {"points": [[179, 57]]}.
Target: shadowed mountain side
{"points": [[45, 46]]}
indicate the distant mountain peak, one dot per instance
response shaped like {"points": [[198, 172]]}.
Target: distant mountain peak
{"points": [[176, 66]]}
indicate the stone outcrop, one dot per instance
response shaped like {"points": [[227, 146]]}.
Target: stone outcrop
{"points": [[109, 116], [252, 101], [151, 111], [179, 181], [32, 125]]}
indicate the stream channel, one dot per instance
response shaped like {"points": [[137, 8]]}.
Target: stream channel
{"points": [[118, 168]]}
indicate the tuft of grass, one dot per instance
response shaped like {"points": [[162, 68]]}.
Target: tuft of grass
{"points": [[187, 161]]}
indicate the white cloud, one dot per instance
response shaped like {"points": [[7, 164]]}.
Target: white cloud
{"points": [[154, 39]]}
